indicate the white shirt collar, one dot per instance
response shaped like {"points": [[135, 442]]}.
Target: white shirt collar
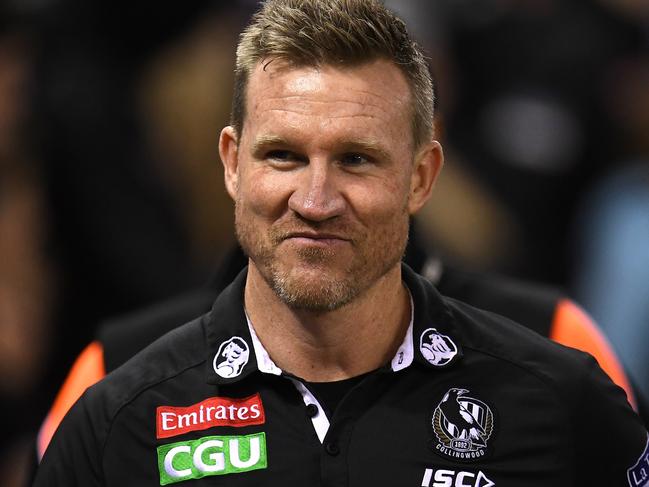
{"points": [[264, 363], [401, 360]]}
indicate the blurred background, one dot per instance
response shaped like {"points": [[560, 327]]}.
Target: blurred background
{"points": [[111, 189]]}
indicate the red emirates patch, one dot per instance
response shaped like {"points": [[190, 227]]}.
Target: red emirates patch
{"points": [[214, 411]]}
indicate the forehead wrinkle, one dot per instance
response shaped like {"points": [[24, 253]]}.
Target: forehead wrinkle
{"points": [[337, 106], [329, 96], [298, 112], [267, 115]]}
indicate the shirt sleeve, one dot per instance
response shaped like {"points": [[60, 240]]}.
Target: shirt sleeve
{"points": [[610, 439], [73, 458]]}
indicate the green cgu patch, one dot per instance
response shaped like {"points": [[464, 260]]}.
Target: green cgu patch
{"points": [[211, 455]]}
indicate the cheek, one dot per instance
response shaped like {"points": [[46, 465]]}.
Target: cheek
{"points": [[261, 194], [381, 202]]}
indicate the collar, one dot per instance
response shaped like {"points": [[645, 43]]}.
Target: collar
{"points": [[235, 352]]}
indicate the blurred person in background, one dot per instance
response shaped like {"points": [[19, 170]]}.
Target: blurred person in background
{"points": [[27, 273], [126, 171], [612, 234], [100, 191], [116, 226], [527, 116], [543, 100], [612, 265], [611, 238]]}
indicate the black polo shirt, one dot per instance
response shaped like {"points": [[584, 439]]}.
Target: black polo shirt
{"points": [[470, 399]]}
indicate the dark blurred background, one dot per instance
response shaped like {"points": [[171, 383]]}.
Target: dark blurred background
{"points": [[111, 193]]}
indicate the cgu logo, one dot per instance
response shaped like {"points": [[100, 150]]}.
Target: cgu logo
{"points": [[451, 478], [211, 455]]}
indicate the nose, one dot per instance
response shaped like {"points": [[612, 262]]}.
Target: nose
{"points": [[317, 196]]}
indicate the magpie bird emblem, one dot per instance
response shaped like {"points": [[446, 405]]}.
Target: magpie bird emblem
{"points": [[462, 425]]}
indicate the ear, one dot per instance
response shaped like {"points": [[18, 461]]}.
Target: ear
{"points": [[428, 164], [229, 151]]}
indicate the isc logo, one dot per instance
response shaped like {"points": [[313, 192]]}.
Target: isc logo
{"points": [[451, 478]]}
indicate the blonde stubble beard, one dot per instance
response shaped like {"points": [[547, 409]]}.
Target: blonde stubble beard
{"points": [[372, 260]]}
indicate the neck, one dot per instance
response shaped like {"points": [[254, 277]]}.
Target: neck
{"points": [[327, 346]]}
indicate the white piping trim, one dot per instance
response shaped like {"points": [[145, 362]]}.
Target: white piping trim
{"points": [[406, 352], [320, 420], [403, 359], [264, 363]]}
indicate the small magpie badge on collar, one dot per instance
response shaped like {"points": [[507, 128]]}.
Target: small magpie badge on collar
{"points": [[231, 358], [436, 348], [462, 425]]}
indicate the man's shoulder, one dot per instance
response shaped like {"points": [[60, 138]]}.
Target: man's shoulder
{"points": [[124, 337], [177, 351], [175, 362], [491, 340], [530, 304], [493, 337], [121, 401]]}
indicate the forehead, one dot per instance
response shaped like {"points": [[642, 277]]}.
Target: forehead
{"points": [[373, 98]]}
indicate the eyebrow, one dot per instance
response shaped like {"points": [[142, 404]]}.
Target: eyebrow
{"points": [[366, 145], [267, 140], [363, 145]]}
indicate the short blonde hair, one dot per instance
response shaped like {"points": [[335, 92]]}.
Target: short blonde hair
{"points": [[333, 32]]}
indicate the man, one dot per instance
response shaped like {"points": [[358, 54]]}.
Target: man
{"points": [[329, 154], [545, 310]]}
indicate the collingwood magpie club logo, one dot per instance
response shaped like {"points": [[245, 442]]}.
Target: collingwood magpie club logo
{"points": [[231, 358], [462, 426], [436, 348]]}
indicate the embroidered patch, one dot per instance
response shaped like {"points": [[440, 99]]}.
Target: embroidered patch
{"points": [[438, 349], [638, 475], [462, 426], [231, 358], [211, 455], [214, 411]]}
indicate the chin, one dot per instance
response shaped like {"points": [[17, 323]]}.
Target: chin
{"points": [[313, 290]]}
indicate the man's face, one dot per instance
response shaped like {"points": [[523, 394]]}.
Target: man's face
{"points": [[324, 178]]}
